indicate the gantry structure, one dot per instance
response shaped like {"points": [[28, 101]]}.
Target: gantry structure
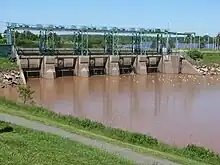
{"points": [[111, 36]]}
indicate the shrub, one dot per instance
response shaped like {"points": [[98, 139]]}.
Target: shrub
{"points": [[26, 94], [195, 55]]}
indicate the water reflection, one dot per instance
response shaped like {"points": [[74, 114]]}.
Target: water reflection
{"points": [[177, 109]]}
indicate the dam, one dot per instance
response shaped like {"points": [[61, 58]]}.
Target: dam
{"points": [[111, 58], [55, 66], [154, 91]]}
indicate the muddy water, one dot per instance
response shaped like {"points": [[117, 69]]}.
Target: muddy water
{"points": [[177, 109]]}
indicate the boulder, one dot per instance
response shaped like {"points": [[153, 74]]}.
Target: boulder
{"points": [[9, 78]]}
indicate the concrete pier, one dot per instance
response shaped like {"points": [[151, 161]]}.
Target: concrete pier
{"points": [[82, 66], [140, 65], [112, 66], [169, 64], [48, 70]]}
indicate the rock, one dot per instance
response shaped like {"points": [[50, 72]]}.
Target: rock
{"points": [[213, 69], [9, 78]]}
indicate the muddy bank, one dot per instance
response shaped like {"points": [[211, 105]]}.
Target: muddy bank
{"points": [[10, 78]]}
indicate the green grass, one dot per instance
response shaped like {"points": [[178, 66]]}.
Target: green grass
{"points": [[205, 57], [25, 147], [7, 64], [190, 155], [211, 58]]}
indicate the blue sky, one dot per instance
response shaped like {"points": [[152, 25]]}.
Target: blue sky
{"points": [[201, 16]]}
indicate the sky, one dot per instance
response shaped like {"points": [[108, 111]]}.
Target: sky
{"points": [[200, 16]]}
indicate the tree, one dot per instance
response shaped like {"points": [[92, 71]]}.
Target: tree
{"points": [[3, 41], [172, 44], [26, 94], [202, 44], [195, 55], [153, 44], [218, 41]]}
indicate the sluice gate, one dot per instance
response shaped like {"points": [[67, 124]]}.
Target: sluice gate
{"points": [[36, 65]]}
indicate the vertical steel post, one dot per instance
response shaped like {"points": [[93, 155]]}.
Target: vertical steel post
{"points": [[113, 42], [9, 36]]}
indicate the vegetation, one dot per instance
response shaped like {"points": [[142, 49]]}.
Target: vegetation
{"points": [[204, 57], [26, 94], [3, 40], [25, 146], [7, 64], [182, 155], [210, 58], [195, 55]]}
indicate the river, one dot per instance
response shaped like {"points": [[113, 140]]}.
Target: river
{"points": [[177, 109]]}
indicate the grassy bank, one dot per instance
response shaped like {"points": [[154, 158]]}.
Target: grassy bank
{"points": [[188, 155], [211, 58], [205, 57], [7, 64], [25, 146]]}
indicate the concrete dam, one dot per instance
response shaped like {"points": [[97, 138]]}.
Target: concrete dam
{"points": [[65, 63]]}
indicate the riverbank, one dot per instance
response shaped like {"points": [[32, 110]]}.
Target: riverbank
{"points": [[138, 142], [207, 63], [19, 145], [9, 73]]}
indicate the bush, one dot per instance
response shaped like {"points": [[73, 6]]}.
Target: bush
{"points": [[190, 151], [195, 55], [26, 94]]}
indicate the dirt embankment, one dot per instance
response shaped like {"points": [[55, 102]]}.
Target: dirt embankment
{"points": [[10, 78]]}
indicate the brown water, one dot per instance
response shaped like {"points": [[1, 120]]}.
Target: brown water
{"points": [[177, 109]]}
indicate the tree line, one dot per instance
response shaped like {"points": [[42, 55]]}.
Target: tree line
{"points": [[29, 39]]}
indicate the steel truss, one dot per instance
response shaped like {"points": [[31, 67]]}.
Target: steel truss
{"points": [[48, 44]]}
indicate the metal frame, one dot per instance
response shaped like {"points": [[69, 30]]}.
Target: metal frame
{"points": [[81, 37]]}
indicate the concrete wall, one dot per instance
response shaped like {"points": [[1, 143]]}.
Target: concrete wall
{"points": [[169, 64], [188, 68], [14, 53], [173, 65], [81, 64]]}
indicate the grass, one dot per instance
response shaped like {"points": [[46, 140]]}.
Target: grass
{"points": [[211, 58], [7, 64], [24, 146], [207, 58], [191, 155]]}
